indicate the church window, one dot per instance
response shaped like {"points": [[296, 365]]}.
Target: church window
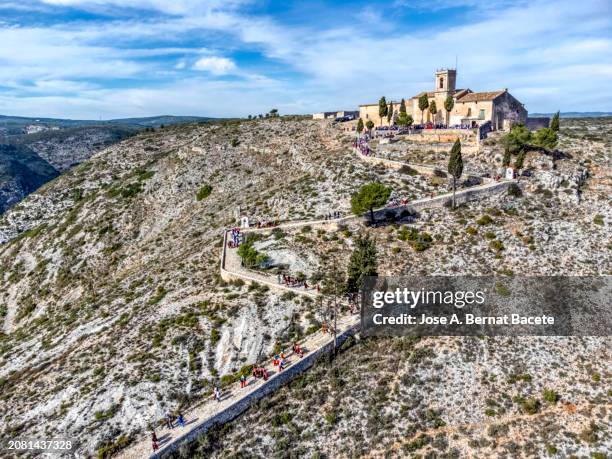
{"points": [[441, 83], [469, 113], [481, 115]]}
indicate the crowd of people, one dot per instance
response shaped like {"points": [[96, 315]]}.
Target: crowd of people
{"points": [[361, 144]]}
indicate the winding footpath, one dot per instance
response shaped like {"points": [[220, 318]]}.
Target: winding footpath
{"points": [[235, 400]]}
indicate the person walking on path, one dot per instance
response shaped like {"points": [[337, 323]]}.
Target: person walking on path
{"points": [[169, 419], [217, 394], [243, 381], [154, 441], [181, 420]]}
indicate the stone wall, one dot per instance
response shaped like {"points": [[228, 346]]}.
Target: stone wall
{"points": [[533, 124]]}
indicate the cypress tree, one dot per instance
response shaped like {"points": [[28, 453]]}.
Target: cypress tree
{"points": [[433, 110], [449, 103], [423, 104], [382, 108], [360, 126], [554, 122], [390, 113], [455, 165]]}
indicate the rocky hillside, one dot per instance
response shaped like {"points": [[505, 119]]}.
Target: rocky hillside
{"points": [[113, 311]]}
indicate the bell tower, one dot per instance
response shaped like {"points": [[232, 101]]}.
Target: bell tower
{"points": [[445, 82]]}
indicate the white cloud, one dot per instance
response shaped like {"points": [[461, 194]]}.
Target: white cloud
{"points": [[215, 65], [557, 58]]}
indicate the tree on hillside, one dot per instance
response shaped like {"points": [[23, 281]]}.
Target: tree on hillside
{"points": [[390, 113], [517, 139], [370, 197], [274, 112], [449, 103], [250, 256], [370, 126], [423, 104], [433, 110], [363, 263], [382, 108], [455, 166], [554, 122], [360, 126], [545, 138]]}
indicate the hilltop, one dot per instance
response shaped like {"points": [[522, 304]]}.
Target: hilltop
{"points": [[114, 311]]}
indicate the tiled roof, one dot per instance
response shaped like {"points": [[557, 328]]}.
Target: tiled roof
{"points": [[429, 94], [480, 96]]}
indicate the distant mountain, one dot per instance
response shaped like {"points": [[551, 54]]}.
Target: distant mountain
{"points": [[17, 125], [22, 171], [574, 114]]}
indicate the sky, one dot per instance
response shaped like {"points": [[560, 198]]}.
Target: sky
{"points": [[101, 59]]}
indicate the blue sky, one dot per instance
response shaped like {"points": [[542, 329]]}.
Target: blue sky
{"points": [[118, 58]]}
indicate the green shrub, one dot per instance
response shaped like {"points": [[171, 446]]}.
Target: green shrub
{"points": [[496, 245], [471, 230], [215, 336], [530, 405], [550, 396], [484, 220], [204, 192], [598, 220], [405, 169]]}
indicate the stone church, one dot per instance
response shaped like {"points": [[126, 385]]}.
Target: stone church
{"points": [[471, 109]]}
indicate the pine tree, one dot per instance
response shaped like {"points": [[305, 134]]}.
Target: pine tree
{"points": [[382, 108], [455, 166], [449, 103], [369, 197], [423, 104], [360, 126], [363, 263], [554, 122]]}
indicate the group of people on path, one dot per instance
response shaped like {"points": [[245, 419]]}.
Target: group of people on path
{"points": [[396, 202], [236, 236], [290, 281], [260, 372], [361, 144], [169, 420], [268, 224], [333, 215]]}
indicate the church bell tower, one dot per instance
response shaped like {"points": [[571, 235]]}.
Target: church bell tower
{"points": [[445, 82]]}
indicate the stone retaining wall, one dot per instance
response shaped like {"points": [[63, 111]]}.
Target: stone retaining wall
{"points": [[240, 406]]}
